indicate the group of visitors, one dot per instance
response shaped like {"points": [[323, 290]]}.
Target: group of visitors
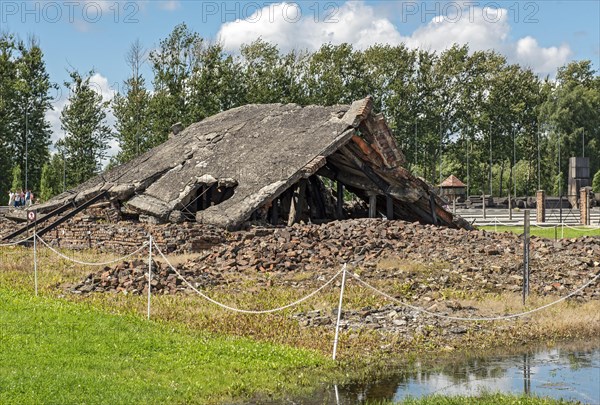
{"points": [[20, 198]]}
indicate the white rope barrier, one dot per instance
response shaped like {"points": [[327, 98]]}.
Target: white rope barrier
{"points": [[245, 311], [16, 243], [588, 229], [120, 259], [455, 318]]}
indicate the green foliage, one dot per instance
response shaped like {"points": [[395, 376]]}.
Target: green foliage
{"points": [[87, 134], [24, 100], [52, 182], [17, 179], [71, 353], [559, 186], [472, 111], [596, 182], [132, 110]]}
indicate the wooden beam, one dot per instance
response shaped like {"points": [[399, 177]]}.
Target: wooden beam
{"points": [[433, 211], [367, 170], [340, 200], [317, 196], [297, 202], [390, 207], [372, 205], [275, 212]]}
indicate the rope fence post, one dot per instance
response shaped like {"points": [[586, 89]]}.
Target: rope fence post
{"points": [[35, 277], [149, 272], [339, 314]]}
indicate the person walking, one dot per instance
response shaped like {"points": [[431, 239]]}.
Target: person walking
{"points": [[11, 198]]}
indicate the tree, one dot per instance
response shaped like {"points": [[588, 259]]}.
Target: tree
{"points": [[52, 180], [24, 101], [8, 73], [17, 178], [132, 109], [173, 64], [31, 100], [596, 182], [87, 134], [571, 110]]}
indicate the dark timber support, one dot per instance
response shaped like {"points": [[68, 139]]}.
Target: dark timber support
{"points": [[297, 203], [275, 212], [432, 205], [389, 207], [317, 196], [372, 205], [340, 200]]}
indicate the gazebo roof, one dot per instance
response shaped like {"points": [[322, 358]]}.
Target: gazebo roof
{"points": [[452, 182]]}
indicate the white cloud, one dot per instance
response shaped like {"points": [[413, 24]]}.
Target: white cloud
{"points": [[363, 25], [285, 25], [100, 85], [169, 5], [529, 53]]}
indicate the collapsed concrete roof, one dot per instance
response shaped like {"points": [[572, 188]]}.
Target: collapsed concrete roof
{"points": [[269, 161]]}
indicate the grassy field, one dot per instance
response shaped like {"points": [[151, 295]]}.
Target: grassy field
{"points": [[99, 348], [549, 233], [54, 351]]}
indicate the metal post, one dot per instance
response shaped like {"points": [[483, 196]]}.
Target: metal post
{"points": [[491, 163], [483, 202], [538, 159], [416, 142], [509, 206], [441, 145], [339, 314], [468, 172], [589, 209], [560, 202], [555, 232], [64, 172], [149, 272], [35, 275], [26, 145], [514, 163], [525, 256]]}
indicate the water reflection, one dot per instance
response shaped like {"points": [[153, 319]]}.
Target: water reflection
{"points": [[568, 373], [572, 375]]}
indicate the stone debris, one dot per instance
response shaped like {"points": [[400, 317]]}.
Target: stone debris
{"points": [[427, 261]]}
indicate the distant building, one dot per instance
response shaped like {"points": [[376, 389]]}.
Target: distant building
{"points": [[453, 189]]}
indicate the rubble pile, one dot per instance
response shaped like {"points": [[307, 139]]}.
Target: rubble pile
{"points": [[132, 277], [426, 260]]}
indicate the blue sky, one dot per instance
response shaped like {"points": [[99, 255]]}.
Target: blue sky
{"points": [[96, 34]]}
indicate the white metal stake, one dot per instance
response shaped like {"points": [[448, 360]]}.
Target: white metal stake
{"points": [[149, 273], [339, 314], [35, 278]]}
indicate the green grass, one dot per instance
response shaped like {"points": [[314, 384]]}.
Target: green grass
{"points": [[55, 351], [549, 233]]}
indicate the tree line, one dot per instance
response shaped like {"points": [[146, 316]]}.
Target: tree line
{"points": [[471, 114]]}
